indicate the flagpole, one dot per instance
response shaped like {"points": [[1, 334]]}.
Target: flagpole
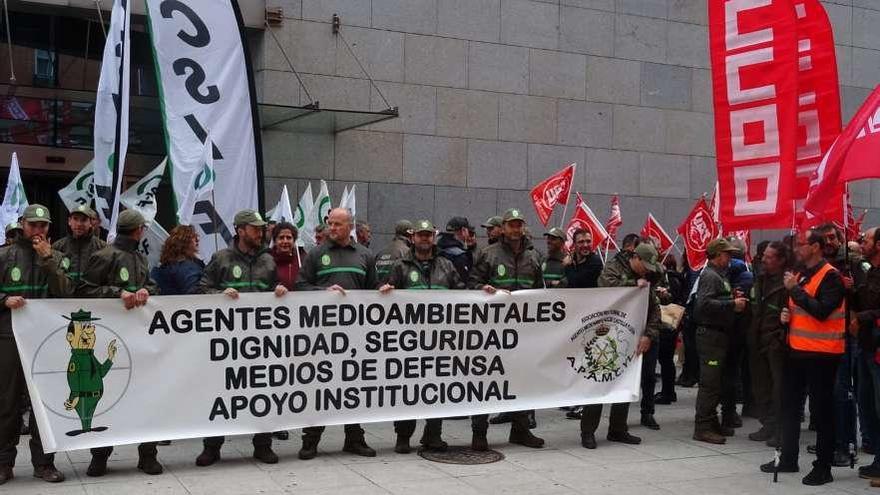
{"points": [[298, 261], [565, 208], [214, 220], [677, 236]]}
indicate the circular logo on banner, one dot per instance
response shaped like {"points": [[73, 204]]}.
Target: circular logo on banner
{"points": [[236, 271], [123, 274], [414, 276], [603, 347], [15, 274], [325, 260], [502, 270], [65, 263]]}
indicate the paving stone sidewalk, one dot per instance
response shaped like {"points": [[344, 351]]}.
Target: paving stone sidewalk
{"points": [[666, 462]]}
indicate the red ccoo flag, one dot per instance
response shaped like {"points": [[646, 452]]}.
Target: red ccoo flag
{"points": [[653, 230], [697, 230], [552, 191], [584, 218]]}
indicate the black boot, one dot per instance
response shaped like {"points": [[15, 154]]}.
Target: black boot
{"points": [[209, 456], [98, 466], [524, 437], [820, 475], [48, 473], [649, 422], [264, 453], [588, 440], [402, 445], [358, 446], [479, 442], [309, 447], [432, 440], [149, 464]]}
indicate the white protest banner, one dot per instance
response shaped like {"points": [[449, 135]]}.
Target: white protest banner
{"points": [[81, 189], [206, 365], [206, 82]]}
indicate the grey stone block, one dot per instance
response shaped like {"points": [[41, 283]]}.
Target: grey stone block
{"points": [[497, 164], [525, 118], [265, 52], [434, 160], [865, 4], [692, 11], [635, 211], [875, 196], [545, 160], [860, 194], [688, 45], [478, 20], [614, 80], [853, 98], [498, 68], [466, 113], [701, 91], [557, 74], [606, 5], [338, 92], [417, 106], [703, 176], [279, 88], [369, 156], [648, 8], [511, 198], [690, 133], [528, 23], [866, 67], [674, 212], [864, 28], [299, 155], [842, 20], [435, 61], [640, 38], [380, 52], [586, 31], [665, 176], [585, 123], [361, 193], [351, 12], [666, 86], [844, 64], [389, 203], [639, 128], [612, 172], [311, 46], [475, 204], [408, 16]]}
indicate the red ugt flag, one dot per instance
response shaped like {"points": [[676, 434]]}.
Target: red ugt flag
{"points": [[552, 191], [615, 220], [653, 230], [697, 230], [585, 219]]}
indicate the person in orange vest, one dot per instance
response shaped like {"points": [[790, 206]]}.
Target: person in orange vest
{"points": [[816, 319]]}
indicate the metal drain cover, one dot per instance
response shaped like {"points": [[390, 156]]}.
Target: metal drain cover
{"points": [[462, 455]]}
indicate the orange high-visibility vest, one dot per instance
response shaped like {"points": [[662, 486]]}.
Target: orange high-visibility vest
{"points": [[807, 333]]}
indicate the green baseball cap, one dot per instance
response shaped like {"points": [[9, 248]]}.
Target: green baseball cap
{"points": [[403, 227], [648, 254], [555, 232], [424, 226], [513, 214], [13, 226], [718, 246], [490, 222], [248, 217], [36, 213], [84, 210], [130, 220]]}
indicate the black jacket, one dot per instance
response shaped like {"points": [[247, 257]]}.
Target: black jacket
{"points": [[455, 251], [584, 273]]}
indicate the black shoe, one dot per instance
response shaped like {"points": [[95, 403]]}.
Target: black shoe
{"points": [[265, 455], [811, 449], [818, 476], [870, 472], [686, 382], [501, 419], [164, 443], [434, 444], [479, 442], [623, 437], [309, 447], [402, 445], [649, 422], [149, 465], [665, 399], [842, 459], [48, 473], [98, 467], [5, 474], [761, 435], [525, 438], [575, 413], [770, 467], [358, 447], [209, 456], [281, 435], [732, 420], [588, 441], [724, 431]]}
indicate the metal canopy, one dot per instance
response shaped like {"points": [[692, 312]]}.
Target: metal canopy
{"points": [[315, 120]]}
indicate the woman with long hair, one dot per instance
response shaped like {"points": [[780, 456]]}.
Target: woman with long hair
{"points": [[180, 268], [283, 244]]}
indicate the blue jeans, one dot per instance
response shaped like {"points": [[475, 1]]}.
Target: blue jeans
{"points": [[844, 399]]}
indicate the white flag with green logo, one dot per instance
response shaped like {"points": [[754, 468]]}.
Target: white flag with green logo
{"points": [[282, 211], [141, 196], [348, 202], [198, 182], [14, 200], [303, 219], [322, 205], [81, 189]]}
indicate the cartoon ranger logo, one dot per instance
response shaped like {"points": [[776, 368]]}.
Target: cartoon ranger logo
{"points": [[85, 374]]}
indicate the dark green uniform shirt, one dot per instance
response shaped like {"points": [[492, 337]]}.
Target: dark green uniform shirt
{"points": [[619, 273], [231, 268], [713, 306], [397, 249], [77, 252], [767, 301], [497, 265], [114, 268], [435, 273], [350, 267], [554, 271]]}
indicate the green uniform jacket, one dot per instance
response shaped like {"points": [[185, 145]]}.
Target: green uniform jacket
{"points": [[618, 273], [114, 268], [554, 271], [24, 273], [232, 268], [498, 266], [85, 373], [409, 273], [77, 252], [713, 306], [769, 298], [351, 267], [397, 249]]}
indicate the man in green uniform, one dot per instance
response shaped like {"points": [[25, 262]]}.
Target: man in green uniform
{"points": [[81, 243], [553, 266], [245, 266], [13, 232], [510, 264], [29, 269], [85, 374], [493, 226], [628, 269], [395, 250], [422, 268], [337, 265], [119, 271], [715, 311]]}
